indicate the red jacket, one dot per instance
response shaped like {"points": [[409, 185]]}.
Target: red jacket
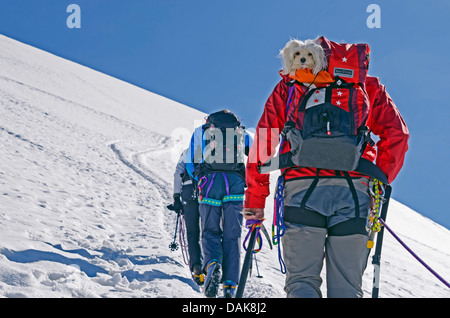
{"points": [[385, 121]]}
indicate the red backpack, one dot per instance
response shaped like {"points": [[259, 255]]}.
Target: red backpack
{"points": [[348, 61], [326, 124]]}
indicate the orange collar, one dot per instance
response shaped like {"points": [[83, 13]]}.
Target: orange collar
{"points": [[304, 75]]}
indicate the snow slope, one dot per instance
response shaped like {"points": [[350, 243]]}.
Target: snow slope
{"points": [[86, 169]]}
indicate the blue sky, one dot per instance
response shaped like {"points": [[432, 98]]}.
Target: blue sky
{"points": [[212, 55]]}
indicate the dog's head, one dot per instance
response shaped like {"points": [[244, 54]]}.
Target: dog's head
{"points": [[297, 54]]}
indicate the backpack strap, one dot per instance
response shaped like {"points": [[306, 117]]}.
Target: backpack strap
{"points": [[354, 193], [310, 190]]}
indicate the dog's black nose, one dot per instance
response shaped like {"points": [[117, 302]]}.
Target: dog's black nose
{"points": [[303, 60]]}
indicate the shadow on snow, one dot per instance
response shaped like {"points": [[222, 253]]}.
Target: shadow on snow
{"points": [[91, 270]]}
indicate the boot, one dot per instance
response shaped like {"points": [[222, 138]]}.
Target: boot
{"points": [[199, 277], [212, 279], [229, 289]]}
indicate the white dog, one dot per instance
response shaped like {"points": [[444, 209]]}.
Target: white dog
{"points": [[297, 55]]}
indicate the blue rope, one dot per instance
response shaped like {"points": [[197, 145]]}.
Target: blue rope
{"points": [[278, 220]]}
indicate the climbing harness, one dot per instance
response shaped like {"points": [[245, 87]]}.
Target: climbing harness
{"points": [[201, 183], [227, 198]]}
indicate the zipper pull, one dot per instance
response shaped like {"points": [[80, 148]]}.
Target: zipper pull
{"points": [[325, 116]]}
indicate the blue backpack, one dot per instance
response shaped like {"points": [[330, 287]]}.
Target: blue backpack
{"points": [[224, 144]]}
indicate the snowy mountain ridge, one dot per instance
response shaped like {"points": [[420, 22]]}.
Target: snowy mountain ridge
{"points": [[86, 172]]}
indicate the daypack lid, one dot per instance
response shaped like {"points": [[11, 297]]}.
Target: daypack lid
{"points": [[348, 61]]}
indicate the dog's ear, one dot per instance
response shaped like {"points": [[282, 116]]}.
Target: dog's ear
{"points": [[287, 55], [285, 60], [320, 59], [320, 62]]}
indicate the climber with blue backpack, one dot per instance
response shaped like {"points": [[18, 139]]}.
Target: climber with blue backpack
{"points": [[216, 160], [324, 109], [185, 203]]}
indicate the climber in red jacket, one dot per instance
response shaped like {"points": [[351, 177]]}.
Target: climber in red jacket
{"points": [[327, 220]]}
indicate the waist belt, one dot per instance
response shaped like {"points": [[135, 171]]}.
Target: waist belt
{"points": [[284, 161]]}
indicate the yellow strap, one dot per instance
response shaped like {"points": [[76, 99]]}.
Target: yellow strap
{"points": [[210, 265], [229, 286], [201, 276]]}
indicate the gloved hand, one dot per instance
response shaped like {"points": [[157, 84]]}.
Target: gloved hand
{"points": [[253, 213], [176, 206]]}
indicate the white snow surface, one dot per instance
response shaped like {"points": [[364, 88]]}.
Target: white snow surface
{"points": [[86, 172]]}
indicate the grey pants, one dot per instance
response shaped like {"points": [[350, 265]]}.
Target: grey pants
{"points": [[304, 248], [329, 230]]}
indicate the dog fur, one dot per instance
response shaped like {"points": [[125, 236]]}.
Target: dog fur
{"points": [[298, 54]]}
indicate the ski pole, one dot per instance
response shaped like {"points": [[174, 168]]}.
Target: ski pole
{"points": [[376, 259], [174, 245], [257, 269]]}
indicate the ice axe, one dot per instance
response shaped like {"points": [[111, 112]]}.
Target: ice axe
{"points": [[254, 226]]}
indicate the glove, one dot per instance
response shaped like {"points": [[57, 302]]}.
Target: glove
{"points": [[177, 205]]}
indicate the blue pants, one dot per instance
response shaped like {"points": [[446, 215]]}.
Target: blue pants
{"points": [[221, 202]]}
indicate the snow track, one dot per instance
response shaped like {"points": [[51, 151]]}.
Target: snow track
{"points": [[86, 173], [138, 163], [81, 216]]}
